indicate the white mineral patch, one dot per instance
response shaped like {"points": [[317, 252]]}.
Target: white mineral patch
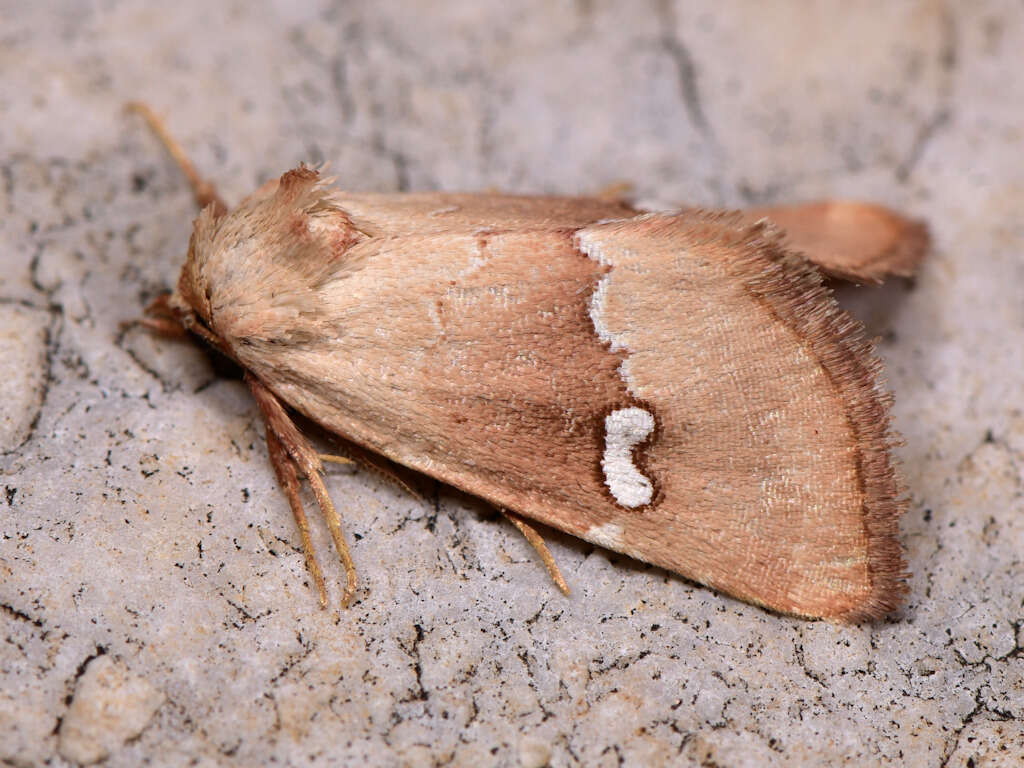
{"points": [[624, 429], [110, 706], [23, 352]]}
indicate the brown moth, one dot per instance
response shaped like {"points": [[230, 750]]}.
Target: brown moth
{"points": [[679, 387]]}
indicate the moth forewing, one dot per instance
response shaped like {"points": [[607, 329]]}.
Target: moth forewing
{"points": [[676, 387]]}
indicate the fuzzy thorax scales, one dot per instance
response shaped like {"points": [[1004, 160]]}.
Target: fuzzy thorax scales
{"points": [[628, 379], [258, 274]]}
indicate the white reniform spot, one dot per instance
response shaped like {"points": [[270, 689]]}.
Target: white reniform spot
{"points": [[624, 429]]}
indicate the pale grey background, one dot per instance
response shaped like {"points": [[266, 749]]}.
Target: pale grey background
{"points": [[153, 599]]}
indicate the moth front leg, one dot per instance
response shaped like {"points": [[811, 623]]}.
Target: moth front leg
{"points": [[160, 319], [292, 455]]}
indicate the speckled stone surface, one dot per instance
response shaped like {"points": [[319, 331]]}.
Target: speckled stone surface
{"points": [[154, 606]]}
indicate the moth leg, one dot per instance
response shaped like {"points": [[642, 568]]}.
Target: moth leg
{"points": [[160, 319], [203, 191], [288, 479], [331, 459], [542, 549], [166, 328], [850, 240], [368, 461], [306, 461]]}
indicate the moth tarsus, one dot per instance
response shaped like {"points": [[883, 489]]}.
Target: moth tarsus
{"points": [[679, 387], [298, 457], [288, 478]]}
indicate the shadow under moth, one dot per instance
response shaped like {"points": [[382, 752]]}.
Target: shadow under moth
{"points": [[680, 387]]}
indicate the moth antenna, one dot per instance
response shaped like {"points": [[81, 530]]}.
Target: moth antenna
{"points": [[204, 191], [288, 478], [299, 455], [542, 549]]}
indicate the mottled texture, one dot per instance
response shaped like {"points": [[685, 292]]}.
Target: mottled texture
{"points": [[140, 515]]}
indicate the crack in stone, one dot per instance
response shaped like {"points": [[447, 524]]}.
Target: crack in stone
{"points": [[51, 345], [686, 73], [413, 652], [942, 114], [20, 615], [70, 685], [294, 659], [924, 136]]}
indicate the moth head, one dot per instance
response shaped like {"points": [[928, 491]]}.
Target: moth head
{"points": [[191, 298], [248, 272]]}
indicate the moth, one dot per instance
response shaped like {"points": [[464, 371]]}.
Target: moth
{"points": [[680, 387]]}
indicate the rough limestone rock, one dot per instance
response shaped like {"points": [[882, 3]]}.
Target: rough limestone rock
{"points": [[138, 511]]}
